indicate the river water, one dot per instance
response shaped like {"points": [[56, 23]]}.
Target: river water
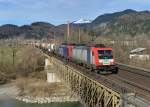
{"points": [[14, 103]]}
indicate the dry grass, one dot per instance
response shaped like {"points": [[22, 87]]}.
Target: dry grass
{"points": [[140, 63], [37, 87], [26, 60], [122, 53]]}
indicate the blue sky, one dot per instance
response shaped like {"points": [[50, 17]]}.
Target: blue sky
{"points": [[59, 11]]}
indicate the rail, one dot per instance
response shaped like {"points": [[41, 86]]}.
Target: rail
{"points": [[135, 70]]}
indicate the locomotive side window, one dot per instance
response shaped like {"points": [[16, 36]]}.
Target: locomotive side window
{"points": [[105, 54]]}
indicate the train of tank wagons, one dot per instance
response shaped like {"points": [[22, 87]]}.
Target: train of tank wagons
{"points": [[97, 58]]}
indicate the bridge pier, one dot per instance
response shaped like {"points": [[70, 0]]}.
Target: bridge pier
{"points": [[51, 74], [125, 100], [131, 100]]}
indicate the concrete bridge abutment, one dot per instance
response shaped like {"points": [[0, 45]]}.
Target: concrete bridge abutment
{"points": [[51, 73]]}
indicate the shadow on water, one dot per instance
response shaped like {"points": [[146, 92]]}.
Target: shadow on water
{"points": [[14, 103]]}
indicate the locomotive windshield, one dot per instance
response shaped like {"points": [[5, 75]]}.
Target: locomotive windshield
{"points": [[105, 54]]}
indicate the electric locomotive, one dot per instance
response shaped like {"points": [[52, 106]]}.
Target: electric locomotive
{"points": [[98, 58]]}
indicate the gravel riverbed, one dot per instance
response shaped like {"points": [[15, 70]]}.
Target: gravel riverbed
{"points": [[11, 91]]}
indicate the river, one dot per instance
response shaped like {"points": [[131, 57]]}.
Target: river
{"points": [[15, 103]]}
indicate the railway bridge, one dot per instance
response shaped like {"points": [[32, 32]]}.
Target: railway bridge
{"points": [[94, 91]]}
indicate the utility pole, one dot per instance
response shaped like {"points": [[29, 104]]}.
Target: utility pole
{"points": [[1, 51], [14, 51], [54, 38], [68, 30], [79, 37]]}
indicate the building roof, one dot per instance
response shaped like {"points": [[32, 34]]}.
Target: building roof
{"points": [[137, 50]]}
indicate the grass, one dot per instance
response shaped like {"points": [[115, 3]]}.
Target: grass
{"points": [[122, 53], [37, 87], [26, 70], [26, 59]]}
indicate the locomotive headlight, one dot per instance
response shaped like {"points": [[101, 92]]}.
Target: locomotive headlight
{"points": [[100, 61], [112, 61]]}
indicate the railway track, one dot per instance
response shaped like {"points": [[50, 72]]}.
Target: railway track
{"points": [[135, 70], [129, 82], [125, 81], [137, 79]]}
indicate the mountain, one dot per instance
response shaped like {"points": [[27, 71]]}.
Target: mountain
{"points": [[36, 30], [40, 30], [127, 22], [110, 17], [9, 29]]}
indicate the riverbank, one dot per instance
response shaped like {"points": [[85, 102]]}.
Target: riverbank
{"points": [[33, 90], [44, 100], [10, 90], [59, 96], [16, 103]]}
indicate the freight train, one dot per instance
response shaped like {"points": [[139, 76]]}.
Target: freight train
{"points": [[97, 58]]}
